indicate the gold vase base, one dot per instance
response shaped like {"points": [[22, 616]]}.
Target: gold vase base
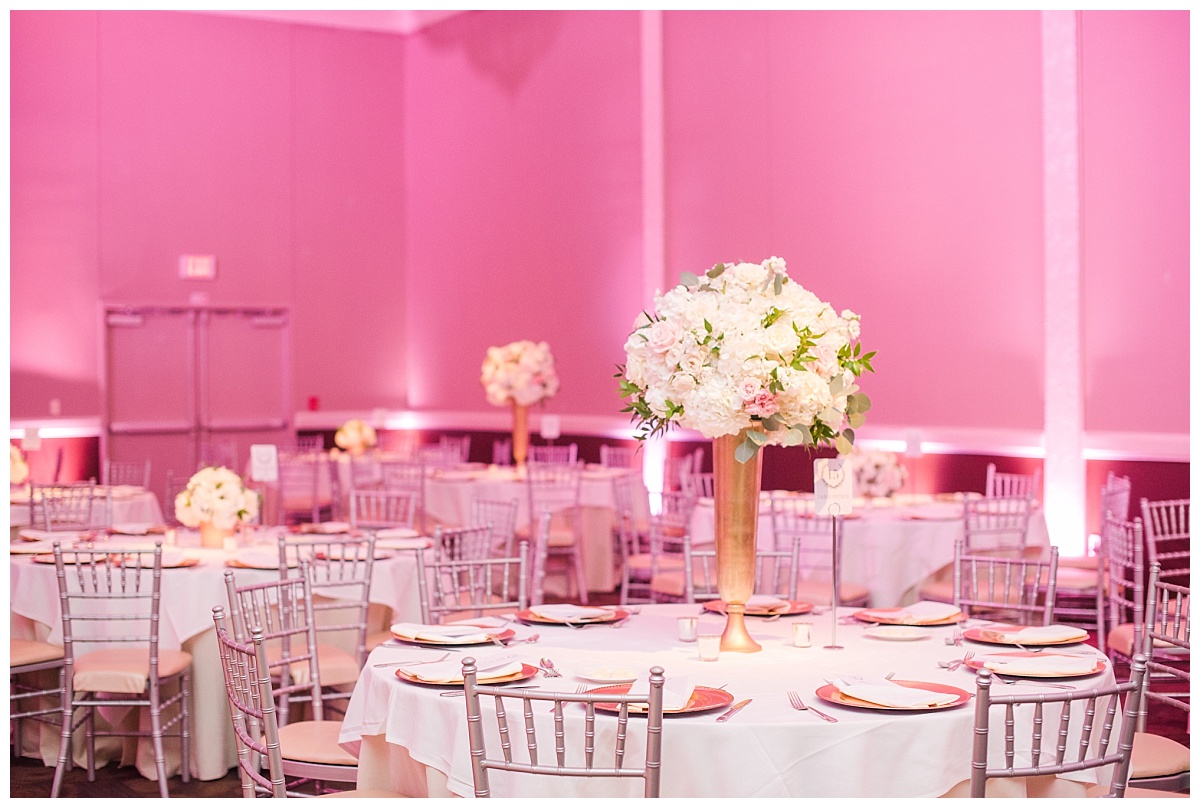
{"points": [[735, 638]]}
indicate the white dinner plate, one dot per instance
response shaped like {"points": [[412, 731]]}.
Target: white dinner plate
{"points": [[897, 633]]}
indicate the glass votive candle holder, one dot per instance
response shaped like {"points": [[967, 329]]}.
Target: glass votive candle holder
{"points": [[709, 647], [169, 537], [802, 635], [687, 629]]}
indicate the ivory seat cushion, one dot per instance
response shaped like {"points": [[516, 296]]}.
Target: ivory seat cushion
{"points": [[1135, 793], [1120, 639], [362, 793], [315, 742], [125, 670], [336, 666], [1076, 578], [31, 652], [1157, 756], [642, 562]]}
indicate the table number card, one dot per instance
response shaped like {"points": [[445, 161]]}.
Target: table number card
{"points": [[833, 486], [264, 462]]}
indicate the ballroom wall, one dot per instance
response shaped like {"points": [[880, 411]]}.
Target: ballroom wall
{"points": [[414, 199]]}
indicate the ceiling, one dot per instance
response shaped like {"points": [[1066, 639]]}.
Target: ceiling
{"points": [[392, 22]]}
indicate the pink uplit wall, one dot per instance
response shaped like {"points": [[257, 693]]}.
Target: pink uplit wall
{"points": [[141, 136], [894, 160], [415, 199], [1136, 154], [524, 193]]}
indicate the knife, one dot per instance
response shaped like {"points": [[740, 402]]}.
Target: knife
{"points": [[728, 714]]}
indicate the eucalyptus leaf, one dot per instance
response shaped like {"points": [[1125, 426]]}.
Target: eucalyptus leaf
{"points": [[864, 403], [745, 451], [689, 279], [843, 445], [716, 271], [772, 423], [759, 438], [778, 284], [835, 385], [856, 419], [799, 434]]}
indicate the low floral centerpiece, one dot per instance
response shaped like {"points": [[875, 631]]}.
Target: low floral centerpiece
{"points": [[519, 375], [747, 357], [18, 469], [356, 436], [216, 501], [876, 473]]}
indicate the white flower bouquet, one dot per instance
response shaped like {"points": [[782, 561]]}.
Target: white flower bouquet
{"points": [[876, 474], [355, 436], [521, 371], [747, 348], [18, 469], [218, 496]]}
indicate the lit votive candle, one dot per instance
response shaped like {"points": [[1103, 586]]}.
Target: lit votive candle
{"points": [[709, 647], [687, 629], [802, 635]]}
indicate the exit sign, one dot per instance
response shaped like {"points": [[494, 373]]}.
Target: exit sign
{"points": [[198, 267]]}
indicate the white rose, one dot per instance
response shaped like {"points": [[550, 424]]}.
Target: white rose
{"points": [[750, 275]]}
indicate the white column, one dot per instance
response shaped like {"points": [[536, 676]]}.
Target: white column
{"points": [[1065, 470], [653, 205]]}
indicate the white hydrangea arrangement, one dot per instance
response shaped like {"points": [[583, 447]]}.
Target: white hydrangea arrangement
{"points": [[746, 347], [18, 469], [876, 473], [521, 371], [217, 495], [356, 436]]}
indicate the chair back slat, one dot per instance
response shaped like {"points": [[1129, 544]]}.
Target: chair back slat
{"points": [[1088, 715], [1003, 588], [536, 725], [472, 587]]}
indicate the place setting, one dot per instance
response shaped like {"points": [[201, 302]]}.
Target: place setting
{"points": [[763, 606], [451, 634], [1014, 635], [886, 693], [574, 616], [447, 672], [680, 696]]}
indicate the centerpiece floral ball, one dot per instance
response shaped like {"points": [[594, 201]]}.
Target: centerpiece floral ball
{"points": [[218, 496], [355, 436], [522, 372], [745, 347]]}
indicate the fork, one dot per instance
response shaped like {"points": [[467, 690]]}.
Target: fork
{"points": [[579, 689], [514, 640], [548, 669], [1009, 680], [798, 704], [954, 665]]}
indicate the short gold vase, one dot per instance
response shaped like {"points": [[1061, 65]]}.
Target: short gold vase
{"points": [[213, 536], [735, 499], [520, 433]]}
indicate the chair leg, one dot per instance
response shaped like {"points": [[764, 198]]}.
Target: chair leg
{"points": [[64, 743], [89, 739], [185, 730], [156, 740]]}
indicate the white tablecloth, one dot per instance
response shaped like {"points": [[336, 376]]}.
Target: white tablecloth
{"points": [[131, 504], [889, 549], [411, 740], [188, 597], [448, 497]]}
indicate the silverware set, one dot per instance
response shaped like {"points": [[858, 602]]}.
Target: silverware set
{"points": [[547, 668], [955, 664], [514, 641], [442, 658]]}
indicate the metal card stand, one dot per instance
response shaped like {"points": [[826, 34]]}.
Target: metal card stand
{"points": [[834, 494]]}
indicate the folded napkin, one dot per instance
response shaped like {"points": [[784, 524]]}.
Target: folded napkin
{"points": [[450, 671], [923, 611], [1041, 665], [1054, 633], [261, 558], [886, 693], [403, 544], [171, 556], [677, 690], [768, 603], [567, 611], [33, 534], [438, 633], [325, 527], [482, 622]]}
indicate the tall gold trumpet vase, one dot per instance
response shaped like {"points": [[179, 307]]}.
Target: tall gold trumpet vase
{"points": [[520, 433], [735, 494]]}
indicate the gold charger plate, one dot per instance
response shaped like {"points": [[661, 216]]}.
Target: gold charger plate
{"points": [[703, 699], [792, 607], [526, 672], [610, 616], [864, 615], [1005, 635], [831, 694], [977, 663], [506, 634]]}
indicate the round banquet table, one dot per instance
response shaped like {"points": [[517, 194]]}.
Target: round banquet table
{"points": [[891, 547], [131, 504], [188, 596], [410, 740]]}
